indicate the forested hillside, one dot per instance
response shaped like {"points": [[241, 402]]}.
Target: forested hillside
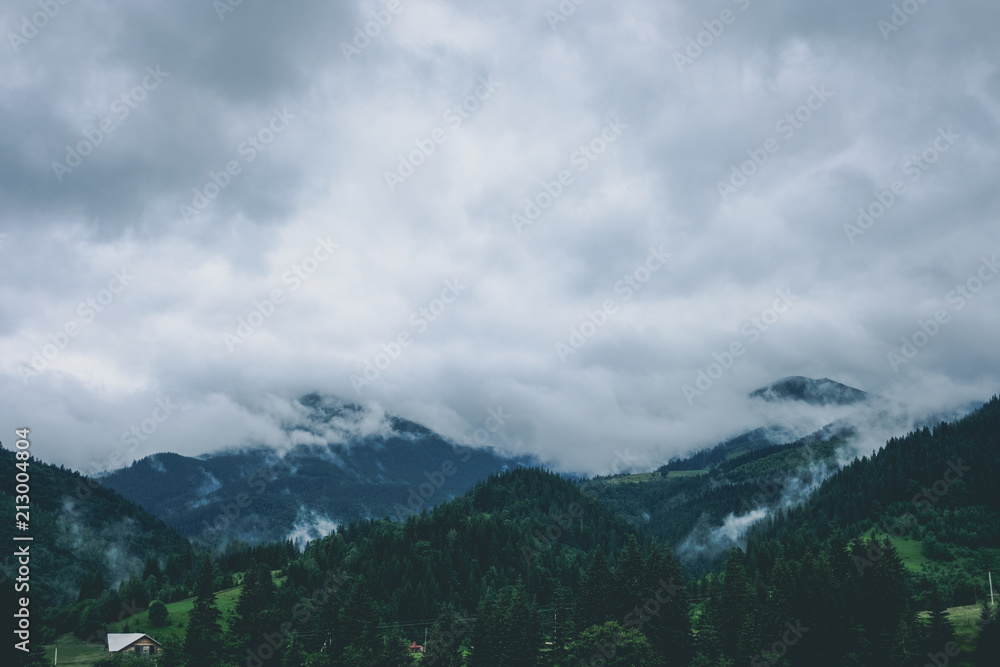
{"points": [[361, 465], [86, 536], [529, 568]]}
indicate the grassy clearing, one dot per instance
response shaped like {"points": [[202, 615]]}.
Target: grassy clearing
{"points": [[74, 651], [963, 619], [178, 614]]}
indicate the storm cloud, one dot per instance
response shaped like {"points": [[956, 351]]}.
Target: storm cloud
{"points": [[568, 210]]}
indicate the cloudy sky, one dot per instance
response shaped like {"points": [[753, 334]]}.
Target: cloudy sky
{"points": [[567, 211]]}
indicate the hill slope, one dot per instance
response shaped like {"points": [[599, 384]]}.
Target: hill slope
{"points": [[357, 465], [82, 529]]}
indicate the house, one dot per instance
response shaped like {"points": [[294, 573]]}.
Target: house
{"points": [[416, 648], [136, 642]]}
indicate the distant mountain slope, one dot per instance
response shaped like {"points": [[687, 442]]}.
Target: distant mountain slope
{"points": [[741, 444], [814, 392], [937, 490], [357, 465], [82, 529], [704, 516], [790, 390]]}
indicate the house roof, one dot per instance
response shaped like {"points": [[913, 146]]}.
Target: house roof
{"points": [[116, 642]]}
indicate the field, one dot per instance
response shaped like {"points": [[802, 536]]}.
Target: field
{"points": [[75, 651], [640, 477]]}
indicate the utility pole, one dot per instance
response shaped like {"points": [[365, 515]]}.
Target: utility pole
{"points": [[991, 588]]}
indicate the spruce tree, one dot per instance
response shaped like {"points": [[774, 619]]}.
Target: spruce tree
{"points": [[939, 629], [596, 591], [629, 579], [203, 643], [734, 609], [669, 629], [254, 615], [359, 624], [988, 645]]}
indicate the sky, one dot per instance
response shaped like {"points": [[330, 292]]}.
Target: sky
{"points": [[606, 222]]}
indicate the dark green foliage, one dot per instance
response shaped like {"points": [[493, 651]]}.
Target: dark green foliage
{"points": [[988, 646], [597, 591], [158, 613], [939, 629], [75, 521], [507, 631], [202, 643], [815, 587], [615, 646]]}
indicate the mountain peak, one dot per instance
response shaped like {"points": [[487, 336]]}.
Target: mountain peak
{"points": [[815, 392]]}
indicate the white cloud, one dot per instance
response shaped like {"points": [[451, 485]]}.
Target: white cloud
{"points": [[324, 177]]}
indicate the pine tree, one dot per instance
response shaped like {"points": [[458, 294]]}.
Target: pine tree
{"points": [[735, 607], [596, 592], [612, 645], [442, 647], [669, 629], [939, 629], [392, 651], [254, 614], [988, 645], [203, 643], [507, 631], [359, 624], [629, 579]]}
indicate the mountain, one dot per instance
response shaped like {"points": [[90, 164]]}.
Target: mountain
{"points": [[351, 463], [85, 536], [704, 504], [529, 568], [814, 392], [935, 491]]}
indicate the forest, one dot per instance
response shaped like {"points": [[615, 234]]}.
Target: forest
{"points": [[528, 568]]}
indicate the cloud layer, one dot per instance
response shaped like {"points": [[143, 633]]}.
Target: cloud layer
{"points": [[250, 205]]}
